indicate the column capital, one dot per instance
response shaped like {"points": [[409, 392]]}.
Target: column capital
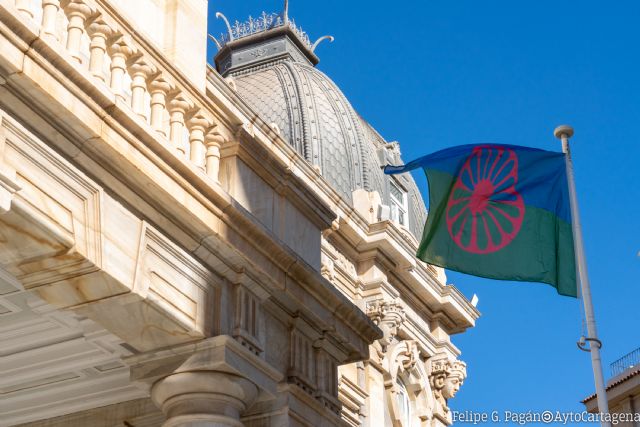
{"points": [[119, 44], [137, 65], [198, 120], [158, 83], [179, 102], [77, 7], [98, 25], [214, 136]]}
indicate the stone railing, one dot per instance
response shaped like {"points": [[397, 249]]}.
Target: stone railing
{"points": [[91, 37]]}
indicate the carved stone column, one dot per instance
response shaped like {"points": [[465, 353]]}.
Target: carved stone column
{"points": [[178, 106], [197, 125], [159, 87], [49, 13], [120, 48], [213, 142], [140, 71], [210, 383], [99, 31], [77, 12]]}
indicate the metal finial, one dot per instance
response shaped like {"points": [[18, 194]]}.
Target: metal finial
{"points": [[320, 40], [563, 130], [226, 21], [285, 12], [215, 40]]}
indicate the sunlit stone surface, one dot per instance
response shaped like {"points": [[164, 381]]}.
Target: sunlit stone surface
{"points": [[189, 246]]}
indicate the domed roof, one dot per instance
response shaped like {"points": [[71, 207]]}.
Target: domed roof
{"points": [[272, 63]]}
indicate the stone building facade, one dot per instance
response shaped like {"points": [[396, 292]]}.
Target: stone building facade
{"points": [[623, 391], [183, 245]]}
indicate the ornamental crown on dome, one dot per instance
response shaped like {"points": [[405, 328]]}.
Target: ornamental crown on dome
{"points": [[261, 27]]}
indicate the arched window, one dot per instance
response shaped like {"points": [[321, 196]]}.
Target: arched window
{"points": [[404, 404]]}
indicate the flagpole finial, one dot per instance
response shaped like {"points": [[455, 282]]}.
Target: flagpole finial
{"points": [[563, 131]]}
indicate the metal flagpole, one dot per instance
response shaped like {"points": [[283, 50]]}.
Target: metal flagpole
{"points": [[564, 133]]}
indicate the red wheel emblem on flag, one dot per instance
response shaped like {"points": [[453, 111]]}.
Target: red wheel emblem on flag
{"points": [[484, 211]]}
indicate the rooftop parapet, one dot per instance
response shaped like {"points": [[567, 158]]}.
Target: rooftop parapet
{"points": [[627, 361]]}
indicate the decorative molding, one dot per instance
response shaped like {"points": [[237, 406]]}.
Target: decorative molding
{"points": [[404, 365], [248, 320]]}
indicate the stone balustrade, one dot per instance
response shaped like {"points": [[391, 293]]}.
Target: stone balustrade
{"points": [[95, 41]]}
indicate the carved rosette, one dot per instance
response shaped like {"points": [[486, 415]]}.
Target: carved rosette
{"points": [[446, 377]]}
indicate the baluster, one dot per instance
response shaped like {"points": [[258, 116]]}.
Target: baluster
{"points": [[25, 7], [159, 87], [197, 124], [140, 70], [49, 15], [213, 141], [77, 12], [120, 48], [99, 31], [178, 106]]}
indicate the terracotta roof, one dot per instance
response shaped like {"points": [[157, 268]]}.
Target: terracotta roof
{"points": [[617, 380]]}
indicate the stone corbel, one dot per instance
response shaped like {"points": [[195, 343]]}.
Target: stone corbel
{"points": [[327, 360], [302, 363], [248, 317]]}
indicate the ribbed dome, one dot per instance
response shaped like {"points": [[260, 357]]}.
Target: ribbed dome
{"points": [[314, 116], [273, 71]]}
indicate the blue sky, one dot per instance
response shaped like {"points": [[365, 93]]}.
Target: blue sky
{"points": [[433, 74]]}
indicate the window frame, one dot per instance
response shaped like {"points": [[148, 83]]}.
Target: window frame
{"points": [[399, 208]]}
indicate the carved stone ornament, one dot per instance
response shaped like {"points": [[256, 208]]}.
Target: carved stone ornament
{"points": [[388, 316], [403, 369], [446, 379]]}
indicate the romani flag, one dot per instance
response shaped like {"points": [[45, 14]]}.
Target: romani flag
{"points": [[499, 211]]}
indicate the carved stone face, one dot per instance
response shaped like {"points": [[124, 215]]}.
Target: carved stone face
{"points": [[451, 386], [389, 329]]}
